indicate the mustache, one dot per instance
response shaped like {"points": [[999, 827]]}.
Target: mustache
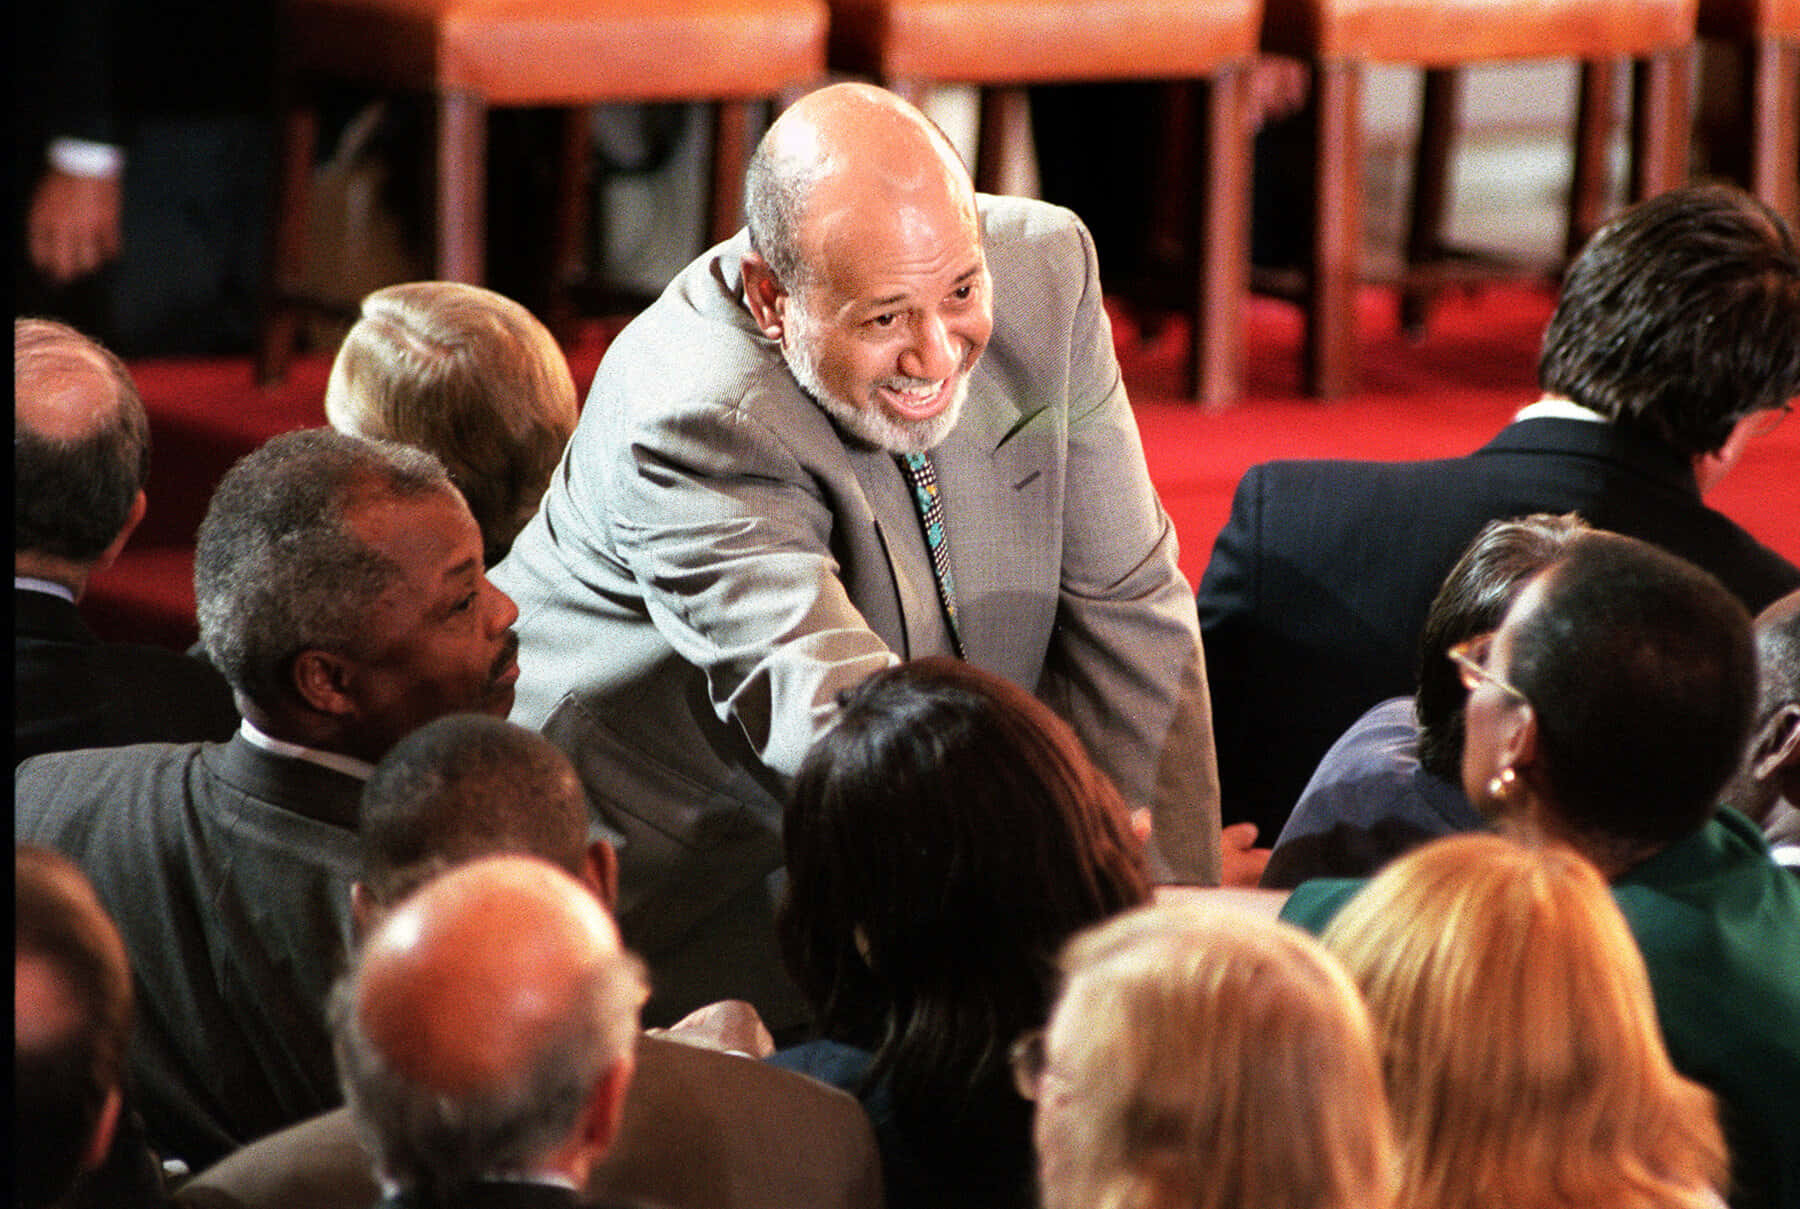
{"points": [[509, 651]]}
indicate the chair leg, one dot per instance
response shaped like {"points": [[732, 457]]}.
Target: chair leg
{"points": [[1774, 109], [299, 134], [1593, 124], [1004, 128], [1337, 231], [1662, 87], [1217, 368], [1430, 195], [461, 186], [574, 212], [730, 158]]}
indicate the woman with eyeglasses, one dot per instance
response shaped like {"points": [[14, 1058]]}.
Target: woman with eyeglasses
{"points": [[944, 839], [1202, 1059]]}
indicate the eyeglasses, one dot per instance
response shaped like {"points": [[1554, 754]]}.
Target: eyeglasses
{"points": [[1470, 657], [1030, 1062]]}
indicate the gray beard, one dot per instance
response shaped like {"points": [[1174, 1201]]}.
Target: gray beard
{"points": [[866, 422]]}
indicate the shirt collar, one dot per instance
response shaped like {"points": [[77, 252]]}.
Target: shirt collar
{"points": [[350, 766], [1554, 407], [49, 587]]}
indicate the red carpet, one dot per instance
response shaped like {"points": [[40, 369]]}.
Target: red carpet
{"points": [[1443, 395]]}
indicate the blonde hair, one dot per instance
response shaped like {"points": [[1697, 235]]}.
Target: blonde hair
{"points": [[1523, 1058], [1214, 1060], [469, 375]]}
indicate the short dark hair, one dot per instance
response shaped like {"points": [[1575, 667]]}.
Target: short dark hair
{"points": [[944, 838], [71, 497], [467, 786], [60, 1086], [1473, 600], [1640, 670], [277, 569], [1678, 318]]}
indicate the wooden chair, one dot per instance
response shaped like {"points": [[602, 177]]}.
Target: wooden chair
{"points": [[1001, 46], [1340, 37], [1769, 32], [471, 55]]}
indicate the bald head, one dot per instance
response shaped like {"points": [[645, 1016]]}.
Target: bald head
{"points": [[1767, 783], [81, 443], [483, 1017], [844, 143]]}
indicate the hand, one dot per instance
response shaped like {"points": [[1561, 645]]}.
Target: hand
{"points": [[1242, 863], [730, 1024], [1278, 87], [73, 226]]}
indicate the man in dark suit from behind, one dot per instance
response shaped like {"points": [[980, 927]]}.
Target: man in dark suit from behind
{"points": [[340, 591], [1675, 341], [81, 455], [701, 1129]]}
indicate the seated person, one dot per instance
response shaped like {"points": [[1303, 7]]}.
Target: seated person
{"points": [[944, 838], [466, 374], [1206, 1059], [75, 1144], [1672, 347], [1395, 779], [1523, 1061], [81, 455], [702, 1129], [340, 591], [484, 1038], [1606, 713], [1766, 788]]}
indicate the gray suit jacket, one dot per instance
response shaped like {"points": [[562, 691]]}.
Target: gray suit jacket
{"points": [[702, 1130], [714, 562], [228, 870]]}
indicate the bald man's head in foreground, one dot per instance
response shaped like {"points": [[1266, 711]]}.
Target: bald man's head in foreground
{"points": [[486, 1029], [81, 454]]}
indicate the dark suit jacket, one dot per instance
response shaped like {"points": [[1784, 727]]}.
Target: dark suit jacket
{"points": [[228, 871], [1317, 588], [70, 690], [702, 1130]]}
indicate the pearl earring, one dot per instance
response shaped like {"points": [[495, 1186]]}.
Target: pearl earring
{"points": [[1502, 785]]}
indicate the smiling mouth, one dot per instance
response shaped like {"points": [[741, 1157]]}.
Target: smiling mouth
{"points": [[917, 401]]}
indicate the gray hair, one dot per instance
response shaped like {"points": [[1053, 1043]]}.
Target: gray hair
{"points": [[425, 1139], [277, 569], [777, 187], [71, 496]]}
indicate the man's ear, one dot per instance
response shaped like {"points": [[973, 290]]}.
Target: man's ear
{"points": [[1777, 744], [133, 518], [363, 912], [1519, 750], [606, 1105], [603, 873], [765, 296], [323, 681]]}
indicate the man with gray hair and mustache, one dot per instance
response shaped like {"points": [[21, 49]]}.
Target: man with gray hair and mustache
{"points": [[341, 592], [884, 422]]}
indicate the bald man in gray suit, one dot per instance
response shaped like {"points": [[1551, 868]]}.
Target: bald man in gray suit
{"points": [[733, 537]]}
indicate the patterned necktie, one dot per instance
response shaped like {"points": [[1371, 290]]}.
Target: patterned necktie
{"points": [[918, 471]]}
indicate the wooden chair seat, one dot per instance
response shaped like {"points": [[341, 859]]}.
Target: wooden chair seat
{"points": [[469, 55], [1001, 46], [1340, 37]]}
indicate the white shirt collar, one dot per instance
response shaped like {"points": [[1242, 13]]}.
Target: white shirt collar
{"points": [[49, 587], [1553, 407], [350, 766]]}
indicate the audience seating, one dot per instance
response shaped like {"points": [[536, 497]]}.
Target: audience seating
{"points": [[1769, 32], [1003, 45], [1340, 37], [470, 55]]}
